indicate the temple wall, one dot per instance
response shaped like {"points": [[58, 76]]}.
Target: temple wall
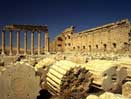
{"points": [[107, 38]]}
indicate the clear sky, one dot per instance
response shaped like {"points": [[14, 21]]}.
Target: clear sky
{"points": [[59, 14]]}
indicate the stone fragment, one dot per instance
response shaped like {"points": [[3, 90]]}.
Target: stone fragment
{"points": [[126, 89]]}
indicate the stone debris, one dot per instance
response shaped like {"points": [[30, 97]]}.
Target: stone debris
{"points": [[126, 62], [108, 95], [126, 89], [45, 63], [92, 97], [18, 81], [65, 76], [77, 59], [69, 80], [107, 75]]}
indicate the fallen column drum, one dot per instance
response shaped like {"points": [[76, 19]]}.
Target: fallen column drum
{"points": [[106, 74], [126, 62], [68, 79], [18, 81]]}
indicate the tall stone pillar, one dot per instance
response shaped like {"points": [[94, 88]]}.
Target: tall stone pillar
{"points": [[10, 43], [39, 43], [25, 43], [3, 43], [46, 42], [18, 43], [32, 43]]}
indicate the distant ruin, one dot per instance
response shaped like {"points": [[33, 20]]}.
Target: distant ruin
{"points": [[26, 28], [113, 37]]}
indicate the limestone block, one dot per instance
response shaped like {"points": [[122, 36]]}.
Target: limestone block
{"points": [[108, 95], [44, 63], [126, 89], [126, 62], [77, 59], [18, 81], [92, 97], [68, 79], [106, 74]]}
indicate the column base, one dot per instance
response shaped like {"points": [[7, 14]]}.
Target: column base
{"points": [[38, 53], [46, 52], [17, 53], [10, 54], [32, 54], [2, 53], [25, 53]]}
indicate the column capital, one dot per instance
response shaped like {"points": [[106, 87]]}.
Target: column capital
{"points": [[17, 31], [3, 30], [32, 31], [11, 31], [39, 31]]}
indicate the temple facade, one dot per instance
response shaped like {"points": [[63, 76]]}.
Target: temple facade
{"points": [[18, 29], [113, 37]]}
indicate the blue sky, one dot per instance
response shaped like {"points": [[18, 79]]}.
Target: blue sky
{"points": [[59, 14]]}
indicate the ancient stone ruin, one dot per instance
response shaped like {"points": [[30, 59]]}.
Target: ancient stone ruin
{"points": [[91, 64]]}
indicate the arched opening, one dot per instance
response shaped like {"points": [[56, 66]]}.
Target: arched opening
{"points": [[105, 47], [96, 46], [60, 44], [59, 39], [84, 47], [89, 47], [78, 47], [126, 46], [69, 44], [114, 45]]}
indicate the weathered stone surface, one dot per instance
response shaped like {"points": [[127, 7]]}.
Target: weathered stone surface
{"points": [[1, 63], [45, 63], [108, 38], [68, 79], [126, 89], [107, 75], [18, 81], [126, 62], [77, 59], [92, 97], [108, 95]]}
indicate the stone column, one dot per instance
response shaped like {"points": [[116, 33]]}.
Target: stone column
{"points": [[10, 43], [39, 43], [32, 43], [18, 43], [25, 43], [3, 43], [46, 42]]}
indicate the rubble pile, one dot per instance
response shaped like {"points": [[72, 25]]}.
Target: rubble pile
{"points": [[66, 76]]}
